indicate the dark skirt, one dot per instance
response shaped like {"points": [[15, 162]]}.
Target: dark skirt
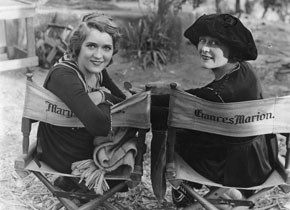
{"points": [[237, 162], [59, 147]]}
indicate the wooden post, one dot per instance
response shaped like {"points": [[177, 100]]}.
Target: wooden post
{"points": [[12, 11], [30, 37], [287, 159]]}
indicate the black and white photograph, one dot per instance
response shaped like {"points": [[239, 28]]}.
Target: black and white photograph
{"points": [[145, 105]]}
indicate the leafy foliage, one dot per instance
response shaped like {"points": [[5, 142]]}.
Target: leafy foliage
{"points": [[149, 40]]}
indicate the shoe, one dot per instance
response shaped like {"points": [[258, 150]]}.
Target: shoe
{"points": [[114, 183], [247, 193], [66, 184], [234, 194], [231, 194], [180, 197]]}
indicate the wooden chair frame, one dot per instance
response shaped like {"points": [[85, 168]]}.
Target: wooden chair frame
{"points": [[212, 197], [65, 198]]}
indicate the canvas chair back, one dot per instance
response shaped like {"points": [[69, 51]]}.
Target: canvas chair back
{"points": [[42, 105], [240, 119]]}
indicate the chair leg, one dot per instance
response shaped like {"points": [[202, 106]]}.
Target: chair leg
{"points": [[206, 204], [170, 166], [158, 163], [99, 200], [138, 168], [66, 202], [70, 205], [259, 194]]}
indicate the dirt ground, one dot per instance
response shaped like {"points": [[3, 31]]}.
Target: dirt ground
{"points": [[16, 193]]}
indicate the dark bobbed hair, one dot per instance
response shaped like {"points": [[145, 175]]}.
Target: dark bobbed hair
{"points": [[97, 21], [229, 30]]}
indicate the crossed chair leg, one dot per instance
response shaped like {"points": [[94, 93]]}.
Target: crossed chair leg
{"points": [[217, 198], [94, 200], [220, 198]]}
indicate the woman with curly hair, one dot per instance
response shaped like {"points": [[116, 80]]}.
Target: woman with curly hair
{"points": [[80, 79]]}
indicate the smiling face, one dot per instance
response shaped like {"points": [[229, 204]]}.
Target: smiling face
{"points": [[96, 52], [213, 54]]}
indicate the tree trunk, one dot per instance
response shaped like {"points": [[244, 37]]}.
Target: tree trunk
{"points": [[217, 4], [164, 7], [238, 6]]}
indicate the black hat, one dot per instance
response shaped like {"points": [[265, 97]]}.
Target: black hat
{"points": [[229, 30]]}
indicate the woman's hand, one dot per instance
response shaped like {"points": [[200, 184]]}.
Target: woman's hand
{"points": [[104, 89], [96, 97]]}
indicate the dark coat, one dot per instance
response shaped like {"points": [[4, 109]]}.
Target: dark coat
{"points": [[59, 146]]}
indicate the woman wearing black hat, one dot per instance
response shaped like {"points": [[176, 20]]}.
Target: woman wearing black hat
{"points": [[224, 44]]}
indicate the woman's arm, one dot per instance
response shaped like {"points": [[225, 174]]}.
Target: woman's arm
{"points": [[102, 96], [65, 84]]}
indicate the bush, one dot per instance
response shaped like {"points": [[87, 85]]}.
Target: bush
{"points": [[151, 40]]}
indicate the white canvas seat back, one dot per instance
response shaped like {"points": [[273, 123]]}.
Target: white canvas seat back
{"points": [[41, 105]]}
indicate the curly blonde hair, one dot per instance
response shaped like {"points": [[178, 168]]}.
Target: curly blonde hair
{"points": [[90, 21]]}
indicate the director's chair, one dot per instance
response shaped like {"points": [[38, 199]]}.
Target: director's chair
{"points": [[133, 112], [184, 113]]}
